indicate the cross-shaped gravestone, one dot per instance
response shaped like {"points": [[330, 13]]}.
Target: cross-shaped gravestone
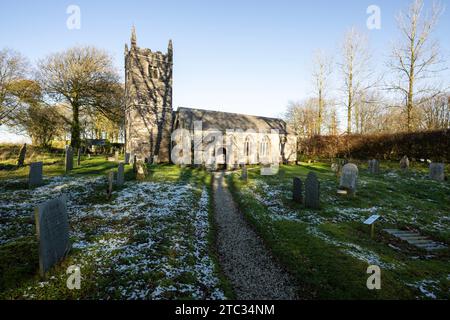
{"points": [[52, 229], [35, 175], [297, 192], [69, 159], [349, 178], [312, 191]]}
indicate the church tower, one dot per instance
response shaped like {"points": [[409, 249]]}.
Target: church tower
{"points": [[148, 102]]}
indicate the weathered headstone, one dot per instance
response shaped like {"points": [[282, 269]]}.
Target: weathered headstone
{"points": [[141, 170], [244, 174], [297, 192], [52, 229], [349, 178], [69, 159], [120, 175], [312, 191], [155, 160], [110, 184], [374, 166], [437, 171], [79, 157], [127, 158], [35, 175], [404, 163], [22, 153]]}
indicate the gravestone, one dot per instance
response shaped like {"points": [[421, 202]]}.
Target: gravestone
{"points": [[404, 163], [35, 175], [120, 175], [116, 156], [244, 175], [374, 166], [312, 191], [141, 170], [349, 178], [155, 160], [297, 192], [79, 157], [127, 158], [437, 171], [22, 153], [110, 184], [52, 230], [69, 158], [134, 164]]}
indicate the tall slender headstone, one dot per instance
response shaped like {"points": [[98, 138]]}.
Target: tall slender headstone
{"points": [[437, 171], [349, 178], [244, 174], [110, 184], [297, 192], [134, 164], [120, 175], [69, 159], [374, 166], [127, 158], [35, 175], [79, 157], [52, 230], [312, 191], [22, 153]]}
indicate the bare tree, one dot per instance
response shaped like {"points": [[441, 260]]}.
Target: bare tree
{"points": [[322, 70], [13, 86], [355, 70], [416, 57], [436, 113], [81, 78]]}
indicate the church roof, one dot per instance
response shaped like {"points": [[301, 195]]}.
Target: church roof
{"points": [[225, 120]]}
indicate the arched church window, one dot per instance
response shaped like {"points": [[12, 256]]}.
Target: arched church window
{"points": [[247, 147], [264, 147]]}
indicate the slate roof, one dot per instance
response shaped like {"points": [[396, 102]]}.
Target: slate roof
{"points": [[225, 120]]}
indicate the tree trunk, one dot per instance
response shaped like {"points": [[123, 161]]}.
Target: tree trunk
{"points": [[75, 130], [319, 129]]}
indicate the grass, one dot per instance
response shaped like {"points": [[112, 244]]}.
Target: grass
{"points": [[329, 250], [121, 255]]}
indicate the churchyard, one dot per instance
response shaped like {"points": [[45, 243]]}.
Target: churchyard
{"points": [[149, 232], [329, 249], [150, 239]]}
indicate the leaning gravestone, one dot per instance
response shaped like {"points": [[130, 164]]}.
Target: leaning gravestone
{"points": [[120, 175], [35, 175], [404, 163], [69, 159], [297, 192], [52, 229], [22, 153], [349, 178], [374, 166], [312, 191], [437, 171], [127, 158]]}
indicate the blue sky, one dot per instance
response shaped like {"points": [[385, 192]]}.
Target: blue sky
{"points": [[239, 56]]}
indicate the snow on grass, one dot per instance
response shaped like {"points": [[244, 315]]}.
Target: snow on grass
{"points": [[149, 242]]}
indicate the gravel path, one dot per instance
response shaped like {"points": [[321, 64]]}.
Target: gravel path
{"points": [[245, 261]]}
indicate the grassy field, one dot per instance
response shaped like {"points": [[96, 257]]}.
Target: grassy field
{"points": [[328, 250], [152, 240]]}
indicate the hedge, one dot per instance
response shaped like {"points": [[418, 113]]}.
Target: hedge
{"points": [[432, 145]]}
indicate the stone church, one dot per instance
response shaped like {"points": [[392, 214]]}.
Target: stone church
{"points": [[150, 119]]}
